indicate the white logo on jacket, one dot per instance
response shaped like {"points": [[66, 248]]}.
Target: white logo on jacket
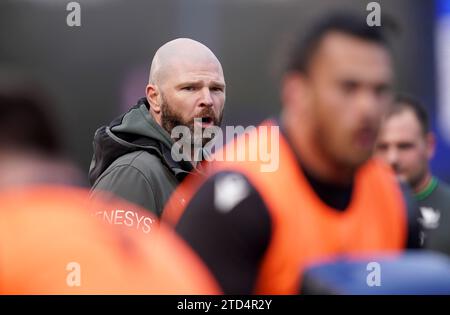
{"points": [[429, 217], [229, 191]]}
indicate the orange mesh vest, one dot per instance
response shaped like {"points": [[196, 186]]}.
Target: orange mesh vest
{"points": [[305, 229], [45, 231]]}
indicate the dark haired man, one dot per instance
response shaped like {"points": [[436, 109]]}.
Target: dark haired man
{"points": [[257, 231], [407, 144], [31, 150]]}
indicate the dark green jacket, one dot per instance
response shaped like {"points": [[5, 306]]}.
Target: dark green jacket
{"points": [[132, 159], [434, 202]]}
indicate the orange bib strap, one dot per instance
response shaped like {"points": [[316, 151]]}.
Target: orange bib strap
{"points": [[304, 228]]}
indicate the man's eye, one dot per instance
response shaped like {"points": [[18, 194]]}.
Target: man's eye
{"points": [[383, 90], [188, 88], [349, 86], [381, 147], [405, 146], [217, 89]]}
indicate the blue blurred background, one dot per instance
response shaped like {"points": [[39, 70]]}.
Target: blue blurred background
{"points": [[98, 70]]}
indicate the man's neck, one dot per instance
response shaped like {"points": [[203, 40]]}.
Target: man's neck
{"points": [[332, 191], [423, 184], [312, 158]]}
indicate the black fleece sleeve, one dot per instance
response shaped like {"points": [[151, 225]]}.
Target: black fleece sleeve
{"points": [[228, 225]]}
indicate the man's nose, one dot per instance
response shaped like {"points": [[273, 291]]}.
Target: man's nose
{"points": [[206, 99], [368, 104], [392, 156]]}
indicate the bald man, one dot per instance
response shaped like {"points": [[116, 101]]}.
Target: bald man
{"points": [[133, 156]]}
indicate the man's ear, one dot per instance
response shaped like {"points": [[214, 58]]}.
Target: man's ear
{"points": [[431, 144], [294, 93], [153, 97]]}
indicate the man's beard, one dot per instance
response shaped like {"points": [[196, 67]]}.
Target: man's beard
{"points": [[171, 119]]}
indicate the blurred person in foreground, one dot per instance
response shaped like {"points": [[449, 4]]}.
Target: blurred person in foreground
{"points": [[30, 144], [133, 156], [51, 242], [407, 144], [258, 229]]}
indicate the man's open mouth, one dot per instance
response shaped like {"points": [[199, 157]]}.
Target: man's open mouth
{"points": [[205, 121]]}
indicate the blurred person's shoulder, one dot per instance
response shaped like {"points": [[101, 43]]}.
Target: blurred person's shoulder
{"points": [[437, 196]]}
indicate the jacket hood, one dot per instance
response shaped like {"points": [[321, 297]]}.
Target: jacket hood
{"points": [[135, 130]]}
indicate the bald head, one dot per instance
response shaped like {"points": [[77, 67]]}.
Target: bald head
{"points": [[186, 82], [176, 52]]}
